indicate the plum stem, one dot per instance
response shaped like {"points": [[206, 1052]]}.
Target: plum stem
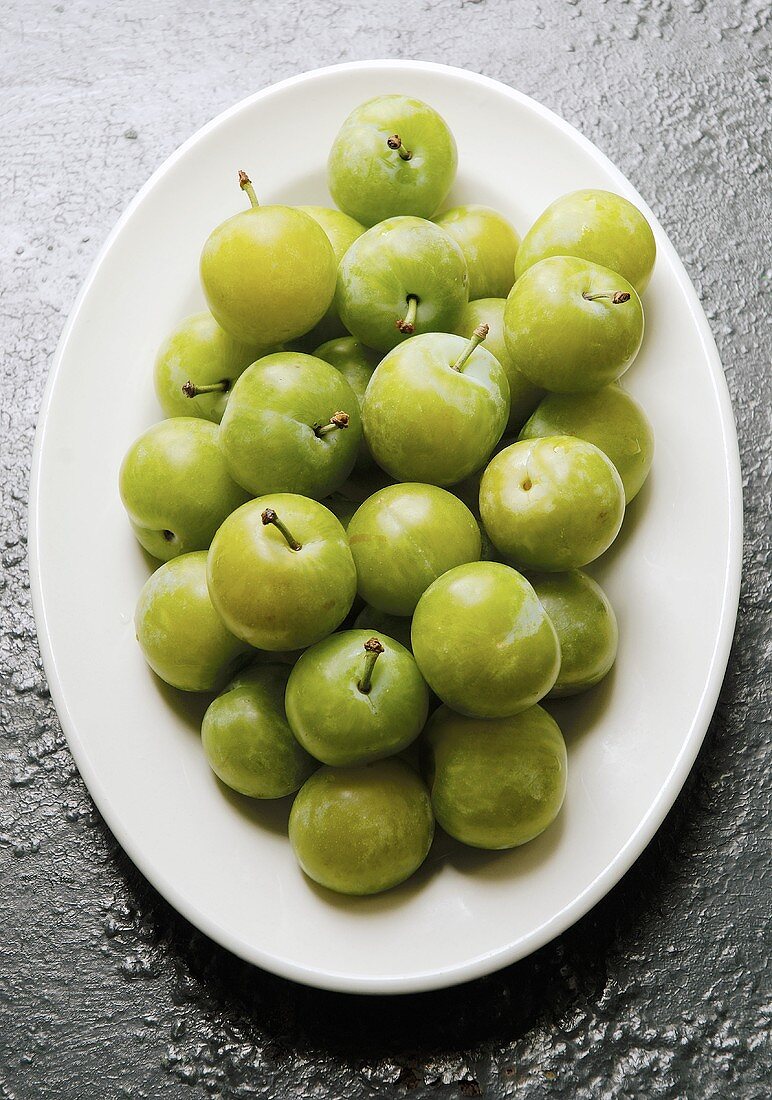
{"points": [[406, 324], [337, 421], [618, 298], [478, 336], [373, 650], [190, 389], [395, 142], [245, 183], [269, 516]]}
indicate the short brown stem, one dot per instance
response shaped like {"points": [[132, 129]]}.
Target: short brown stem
{"points": [[373, 650], [406, 324], [269, 516], [617, 299], [478, 336], [245, 183], [337, 421], [190, 389], [395, 143]]}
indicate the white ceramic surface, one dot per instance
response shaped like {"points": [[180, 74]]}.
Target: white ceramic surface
{"points": [[673, 574]]}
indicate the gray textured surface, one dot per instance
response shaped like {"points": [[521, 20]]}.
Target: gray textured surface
{"points": [[663, 990]]}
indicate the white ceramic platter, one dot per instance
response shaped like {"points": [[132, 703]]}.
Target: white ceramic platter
{"points": [[673, 574]]}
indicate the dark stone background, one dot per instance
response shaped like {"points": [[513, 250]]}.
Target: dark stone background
{"points": [[661, 991]]}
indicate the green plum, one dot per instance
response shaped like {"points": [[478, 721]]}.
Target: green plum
{"points": [[341, 232], [292, 425], [362, 830], [523, 395], [403, 276], [435, 408], [483, 641], [176, 488], [380, 622], [497, 782], [354, 697], [181, 636], [489, 244], [405, 537], [199, 360], [552, 504], [281, 573], [247, 740], [593, 225], [571, 326], [393, 155], [356, 363], [586, 626], [268, 273], [611, 419]]}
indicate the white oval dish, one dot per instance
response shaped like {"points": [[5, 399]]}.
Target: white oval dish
{"points": [[673, 574]]}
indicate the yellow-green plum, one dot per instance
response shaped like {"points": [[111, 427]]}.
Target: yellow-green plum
{"points": [[571, 326], [524, 396], [405, 537], [489, 243], [176, 488], [393, 155], [356, 363], [435, 408], [341, 232], [403, 276], [586, 625], [247, 740], [196, 366], [292, 425], [593, 225], [611, 419], [356, 697], [362, 830], [181, 636], [380, 622], [280, 572], [268, 273], [497, 782], [552, 504], [483, 641]]}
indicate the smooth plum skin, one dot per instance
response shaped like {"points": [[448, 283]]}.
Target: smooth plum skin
{"points": [[524, 396], [425, 421], [489, 243], [341, 725], [495, 783], [362, 830], [181, 636], [199, 350], [380, 622], [268, 274], [370, 181], [356, 363], [341, 231], [176, 488], [271, 596], [268, 436], [552, 504], [593, 225], [483, 641], [611, 419], [562, 341], [247, 740], [586, 625], [398, 258], [405, 537]]}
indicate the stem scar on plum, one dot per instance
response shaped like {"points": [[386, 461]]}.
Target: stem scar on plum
{"points": [[618, 298], [337, 422], [406, 324], [190, 389], [373, 650], [477, 338], [269, 517], [169, 536], [395, 142]]}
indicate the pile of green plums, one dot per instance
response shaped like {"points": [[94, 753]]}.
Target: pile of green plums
{"points": [[394, 440]]}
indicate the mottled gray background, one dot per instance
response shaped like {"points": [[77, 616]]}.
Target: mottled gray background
{"points": [[663, 990]]}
